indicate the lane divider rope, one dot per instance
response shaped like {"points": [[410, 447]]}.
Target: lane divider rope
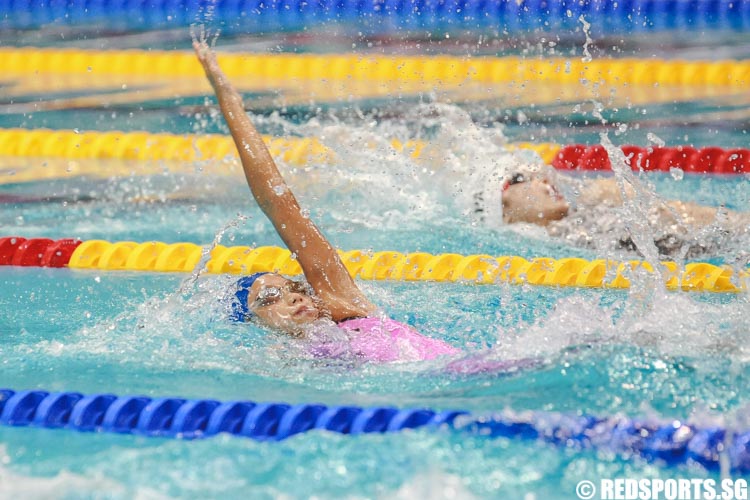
{"points": [[673, 443], [299, 151], [607, 16], [442, 69], [386, 265], [144, 146], [687, 158]]}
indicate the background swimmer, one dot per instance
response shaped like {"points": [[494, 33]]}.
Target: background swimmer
{"points": [[471, 165], [594, 217]]}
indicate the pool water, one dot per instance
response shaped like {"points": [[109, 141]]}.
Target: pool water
{"points": [[642, 352], [676, 356]]}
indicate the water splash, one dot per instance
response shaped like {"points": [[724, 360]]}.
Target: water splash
{"points": [[204, 17], [675, 324], [201, 267], [64, 484], [586, 31], [459, 161], [637, 199], [432, 484], [631, 190]]}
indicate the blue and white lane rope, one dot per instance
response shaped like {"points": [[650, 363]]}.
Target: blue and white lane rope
{"points": [[673, 443], [611, 16]]}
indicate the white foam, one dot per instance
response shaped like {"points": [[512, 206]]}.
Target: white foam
{"points": [[674, 324], [18, 485], [460, 159], [433, 484]]}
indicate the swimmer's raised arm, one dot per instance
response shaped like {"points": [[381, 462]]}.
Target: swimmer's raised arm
{"points": [[320, 262]]}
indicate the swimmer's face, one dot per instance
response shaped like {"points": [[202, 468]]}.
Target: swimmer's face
{"points": [[282, 304], [533, 200]]}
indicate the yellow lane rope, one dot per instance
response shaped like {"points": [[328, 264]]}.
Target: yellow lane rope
{"points": [[146, 147], [438, 69], [419, 266]]}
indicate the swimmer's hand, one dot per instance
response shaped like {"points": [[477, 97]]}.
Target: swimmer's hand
{"points": [[207, 58]]}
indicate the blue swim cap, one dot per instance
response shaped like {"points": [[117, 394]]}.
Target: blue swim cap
{"points": [[240, 309]]}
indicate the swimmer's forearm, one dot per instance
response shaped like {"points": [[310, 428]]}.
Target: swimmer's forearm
{"points": [[260, 170], [263, 177], [261, 173]]}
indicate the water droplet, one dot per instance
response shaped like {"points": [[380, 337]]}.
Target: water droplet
{"points": [[655, 139]]}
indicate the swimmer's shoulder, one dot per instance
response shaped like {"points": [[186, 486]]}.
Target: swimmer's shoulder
{"points": [[600, 192]]}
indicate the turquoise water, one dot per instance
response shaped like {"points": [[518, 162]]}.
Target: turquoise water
{"points": [[675, 356], [644, 352], [641, 353]]}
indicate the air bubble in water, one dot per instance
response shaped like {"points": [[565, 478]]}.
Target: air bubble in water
{"points": [[676, 173]]}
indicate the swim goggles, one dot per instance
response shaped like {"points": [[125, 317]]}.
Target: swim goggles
{"points": [[272, 294], [517, 178]]}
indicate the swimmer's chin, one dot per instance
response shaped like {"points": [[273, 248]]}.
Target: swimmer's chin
{"points": [[305, 322]]}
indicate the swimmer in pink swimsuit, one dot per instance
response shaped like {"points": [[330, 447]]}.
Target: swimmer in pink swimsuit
{"points": [[293, 307], [376, 339]]}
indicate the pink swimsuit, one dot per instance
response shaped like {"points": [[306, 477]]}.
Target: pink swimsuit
{"points": [[381, 340]]}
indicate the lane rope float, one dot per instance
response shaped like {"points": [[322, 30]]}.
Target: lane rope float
{"points": [[672, 443], [300, 151], [706, 160], [605, 16], [439, 70], [158, 256], [184, 148]]}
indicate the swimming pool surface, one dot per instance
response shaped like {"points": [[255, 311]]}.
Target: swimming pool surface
{"points": [[642, 352]]}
